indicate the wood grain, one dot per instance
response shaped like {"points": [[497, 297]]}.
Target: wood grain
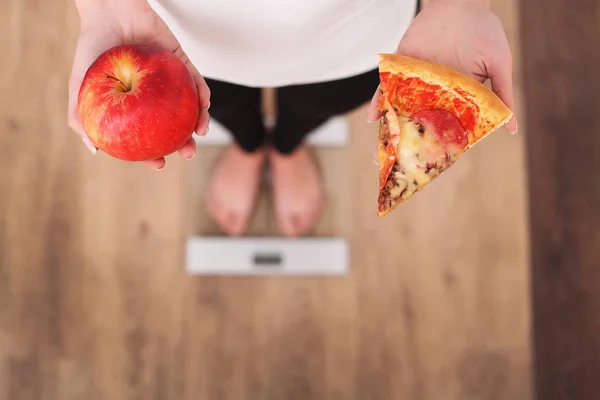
{"points": [[95, 303], [562, 87]]}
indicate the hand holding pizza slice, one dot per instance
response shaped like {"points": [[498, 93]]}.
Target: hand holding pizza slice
{"points": [[430, 114], [431, 103]]}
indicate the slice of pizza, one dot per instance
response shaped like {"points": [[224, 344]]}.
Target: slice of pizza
{"points": [[430, 115]]}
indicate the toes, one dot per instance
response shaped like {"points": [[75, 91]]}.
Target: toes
{"points": [[311, 216], [231, 222], [305, 224], [287, 225], [235, 224], [296, 223], [292, 225], [300, 224]]}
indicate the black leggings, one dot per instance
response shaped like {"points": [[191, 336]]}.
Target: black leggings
{"points": [[300, 109]]}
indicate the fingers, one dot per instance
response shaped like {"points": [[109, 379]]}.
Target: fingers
{"points": [[189, 149], [203, 121], [501, 77], [157, 164], [373, 111]]}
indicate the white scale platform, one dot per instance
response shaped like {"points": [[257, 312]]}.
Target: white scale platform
{"points": [[270, 255], [266, 256]]}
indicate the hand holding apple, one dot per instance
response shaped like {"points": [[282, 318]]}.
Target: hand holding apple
{"points": [[110, 23], [138, 103]]}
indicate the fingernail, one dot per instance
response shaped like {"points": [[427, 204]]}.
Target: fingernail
{"points": [[192, 157], [516, 129], [207, 107], [163, 166], [90, 146], [375, 158], [369, 120], [203, 133]]}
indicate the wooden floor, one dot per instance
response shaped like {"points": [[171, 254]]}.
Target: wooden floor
{"points": [[95, 303]]}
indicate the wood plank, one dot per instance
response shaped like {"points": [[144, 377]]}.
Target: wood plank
{"points": [[562, 90]]}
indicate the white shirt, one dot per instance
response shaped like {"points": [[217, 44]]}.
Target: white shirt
{"points": [[270, 43]]}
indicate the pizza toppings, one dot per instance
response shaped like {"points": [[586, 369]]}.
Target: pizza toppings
{"points": [[441, 135], [445, 126], [389, 133], [428, 143], [415, 94]]}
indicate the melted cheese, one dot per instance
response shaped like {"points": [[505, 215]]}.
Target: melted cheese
{"points": [[417, 150], [411, 149]]}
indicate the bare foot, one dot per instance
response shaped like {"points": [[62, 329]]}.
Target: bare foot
{"points": [[233, 189], [297, 191]]}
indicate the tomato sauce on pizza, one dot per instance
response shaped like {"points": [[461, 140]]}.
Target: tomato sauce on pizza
{"points": [[416, 94]]}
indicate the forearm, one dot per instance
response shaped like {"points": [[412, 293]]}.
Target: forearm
{"points": [[95, 4], [481, 3], [93, 9]]}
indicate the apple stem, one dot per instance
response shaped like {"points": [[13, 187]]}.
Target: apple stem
{"points": [[120, 82]]}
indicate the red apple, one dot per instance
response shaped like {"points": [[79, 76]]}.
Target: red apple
{"points": [[138, 102]]}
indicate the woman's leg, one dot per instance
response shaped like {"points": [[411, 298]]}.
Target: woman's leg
{"points": [[297, 187], [238, 108], [235, 180]]}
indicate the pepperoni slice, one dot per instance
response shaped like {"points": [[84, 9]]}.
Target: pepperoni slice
{"points": [[444, 125]]}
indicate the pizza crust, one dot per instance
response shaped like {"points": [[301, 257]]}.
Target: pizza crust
{"points": [[491, 107]]}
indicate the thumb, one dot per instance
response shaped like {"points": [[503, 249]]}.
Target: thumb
{"points": [[203, 92], [75, 81], [373, 110], [84, 57], [73, 114], [502, 84], [77, 126], [204, 99]]}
